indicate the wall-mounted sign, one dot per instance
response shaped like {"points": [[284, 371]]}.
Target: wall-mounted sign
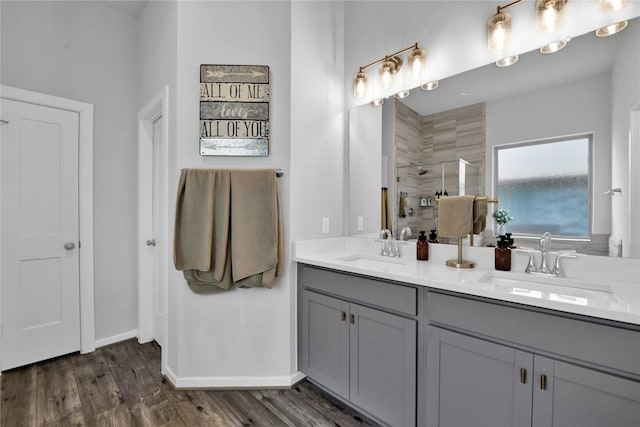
{"points": [[234, 110]]}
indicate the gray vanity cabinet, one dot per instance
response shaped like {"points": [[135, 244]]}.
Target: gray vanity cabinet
{"points": [[366, 355], [472, 382], [325, 344], [482, 369]]}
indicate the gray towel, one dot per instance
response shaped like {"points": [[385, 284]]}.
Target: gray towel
{"points": [[201, 242], [228, 228]]}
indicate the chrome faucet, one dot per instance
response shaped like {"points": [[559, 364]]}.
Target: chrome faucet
{"points": [[389, 244], [545, 247]]}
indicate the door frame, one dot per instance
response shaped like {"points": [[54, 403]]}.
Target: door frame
{"points": [[157, 107], [85, 205]]}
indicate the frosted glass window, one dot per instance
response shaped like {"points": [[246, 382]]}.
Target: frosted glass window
{"points": [[545, 186]]}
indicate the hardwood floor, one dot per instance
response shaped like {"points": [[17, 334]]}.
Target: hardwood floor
{"points": [[121, 385]]}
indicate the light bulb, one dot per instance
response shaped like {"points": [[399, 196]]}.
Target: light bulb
{"points": [[499, 36], [549, 19], [386, 77]]}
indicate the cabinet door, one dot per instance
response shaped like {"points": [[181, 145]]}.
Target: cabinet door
{"points": [[325, 341], [571, 395], [472, 382], [383, 365]]}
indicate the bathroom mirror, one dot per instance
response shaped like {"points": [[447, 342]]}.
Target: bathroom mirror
{"points": [[580, 89]]}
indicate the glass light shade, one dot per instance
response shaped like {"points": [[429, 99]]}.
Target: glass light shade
{"points": [[499, 31], [417, 62], [612, 5], [549, 14], [553, 46], [360, 84], [388, 69], [611, 29]]}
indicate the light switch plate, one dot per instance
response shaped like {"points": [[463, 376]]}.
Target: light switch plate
{"points": [[360, 223], [325, 224]]}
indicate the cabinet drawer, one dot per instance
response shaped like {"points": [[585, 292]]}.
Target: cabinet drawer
{"points": [[391, 296], [604, 345]]}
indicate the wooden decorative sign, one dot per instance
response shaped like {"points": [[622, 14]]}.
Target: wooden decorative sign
{"points": [[234, 110]]}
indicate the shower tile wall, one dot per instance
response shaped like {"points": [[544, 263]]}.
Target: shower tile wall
{"points": [[450, 135]]}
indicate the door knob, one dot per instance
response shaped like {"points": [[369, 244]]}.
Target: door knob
{"points": [[69, 246], [151, 242]]}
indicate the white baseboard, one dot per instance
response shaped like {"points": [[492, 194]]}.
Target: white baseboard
{"points": [[116, 338], [235, 383]]}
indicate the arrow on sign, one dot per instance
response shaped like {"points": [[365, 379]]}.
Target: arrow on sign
{"points": [[219, 74]]}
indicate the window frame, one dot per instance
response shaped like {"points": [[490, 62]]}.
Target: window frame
{"points": [[541, 141]]}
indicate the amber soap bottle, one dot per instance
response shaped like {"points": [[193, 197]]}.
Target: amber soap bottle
{"points": [[503, 255], [422, 247]]}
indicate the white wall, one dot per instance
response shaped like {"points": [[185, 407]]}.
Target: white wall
{"points": [[233, 337], [625, 95], [87, 52], [580, 107]]}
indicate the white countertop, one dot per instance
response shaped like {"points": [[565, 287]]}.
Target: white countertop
{"points": [[593, 286]]}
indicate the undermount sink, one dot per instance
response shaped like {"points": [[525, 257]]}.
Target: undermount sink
{"points": [[375, 262], [551, 288]]}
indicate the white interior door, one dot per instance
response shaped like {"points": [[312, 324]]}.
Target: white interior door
{"points": [[40, 256], [152, 219]]}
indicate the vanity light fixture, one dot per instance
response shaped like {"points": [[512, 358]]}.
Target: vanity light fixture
{"points": [[390, 65], [549, 14], [612, 29], [430, 85], [612, 5], [509, 60]]}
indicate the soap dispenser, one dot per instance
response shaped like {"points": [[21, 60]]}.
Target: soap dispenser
{"points": [[433, 237], [422, 247], [510, 241], [503, 254]]}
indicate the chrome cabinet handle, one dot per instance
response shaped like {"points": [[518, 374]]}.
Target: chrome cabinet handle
{"points": [[151, 242], [69, 246]]}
